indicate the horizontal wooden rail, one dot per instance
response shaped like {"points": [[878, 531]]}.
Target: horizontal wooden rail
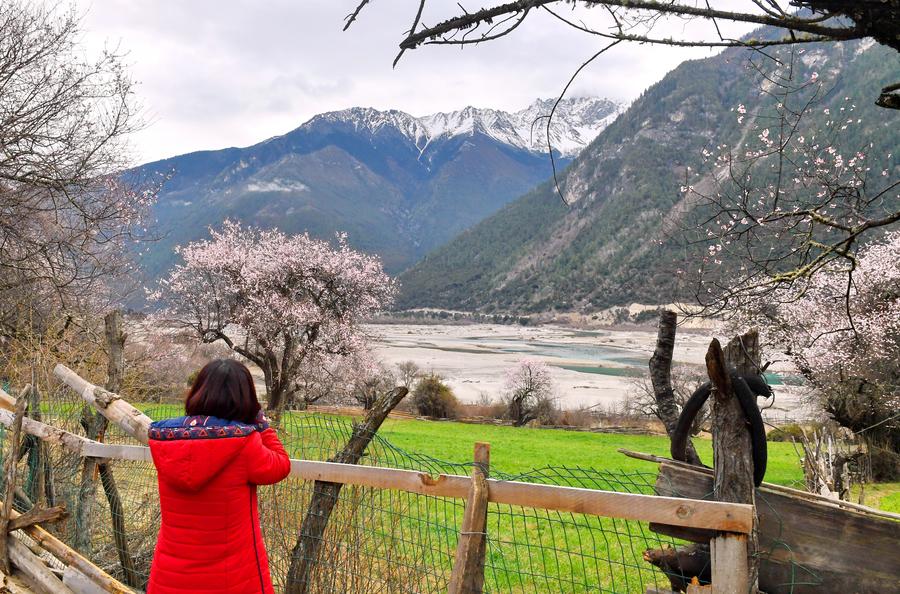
{"points": [[70, 441], [770, 487], [76, 443], [110, 405], [709, 515], [116, 451]]}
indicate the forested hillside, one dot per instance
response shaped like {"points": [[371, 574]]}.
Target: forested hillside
{"points": [[619, 241]]}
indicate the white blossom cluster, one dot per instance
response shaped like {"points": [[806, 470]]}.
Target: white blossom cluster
{"points": [[297, 301]]}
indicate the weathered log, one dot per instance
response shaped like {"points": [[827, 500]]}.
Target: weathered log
{"points": [[110, 405], [9, 471], [70, 441], [36, 574], [325, 495], [661, 379], [38, 515], [71, 557], [733, 457], [467, 576], [78, 582]]}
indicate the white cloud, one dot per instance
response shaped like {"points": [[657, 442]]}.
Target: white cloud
{"points": [[233, 72]]}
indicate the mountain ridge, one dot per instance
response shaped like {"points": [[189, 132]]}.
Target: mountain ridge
{"points": [[397, 184]]}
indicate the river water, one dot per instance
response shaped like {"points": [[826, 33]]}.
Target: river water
{"points": [[589, 367]]}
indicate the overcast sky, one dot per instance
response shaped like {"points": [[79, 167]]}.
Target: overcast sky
{"points": [[218, 73]]}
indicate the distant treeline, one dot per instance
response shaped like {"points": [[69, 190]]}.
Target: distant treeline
{"points": [[443, 316]]}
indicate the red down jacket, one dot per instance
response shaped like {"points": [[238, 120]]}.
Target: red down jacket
{"points": [[209, 537]]}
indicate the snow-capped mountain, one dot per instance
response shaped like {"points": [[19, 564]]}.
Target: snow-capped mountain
{"points": [[399, 185], [574, 124]]}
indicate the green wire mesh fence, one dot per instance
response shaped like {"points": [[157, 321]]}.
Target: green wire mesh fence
{"points": [[377, 541]]}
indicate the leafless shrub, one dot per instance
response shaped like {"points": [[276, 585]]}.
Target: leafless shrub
{"points": [[370, 383], [528, 393], [485, 407], [685, 380], [161, 365], [408, 373], [582, 417], [65, 211]]}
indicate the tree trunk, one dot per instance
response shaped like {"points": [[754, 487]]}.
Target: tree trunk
{"points": [[120, 536], [661, 378], [38, 484], [9, 472], [732, 447], [115, 344], [467, 576], [325, 495], [276, 387], [95, 425], [115, 341]]}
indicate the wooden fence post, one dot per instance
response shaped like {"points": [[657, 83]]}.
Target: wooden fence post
{"points": [[9, 471], [735, 568], [468, 567]]}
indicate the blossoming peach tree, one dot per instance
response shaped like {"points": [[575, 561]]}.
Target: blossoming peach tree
{"points": [[847, 346], [278, 300], [800, 192]]}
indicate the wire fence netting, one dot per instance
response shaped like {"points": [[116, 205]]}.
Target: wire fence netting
{"points": [[376, 540]]}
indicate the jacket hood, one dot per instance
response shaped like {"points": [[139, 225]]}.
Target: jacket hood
{"points": [[190, 451]]}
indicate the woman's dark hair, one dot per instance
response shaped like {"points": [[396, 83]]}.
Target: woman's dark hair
{"points": [[223, 388]]}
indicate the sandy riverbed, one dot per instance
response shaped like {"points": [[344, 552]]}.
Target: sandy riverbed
{"points": [[590, 368]]}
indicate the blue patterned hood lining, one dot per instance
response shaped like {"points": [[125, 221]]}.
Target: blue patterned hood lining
{"points": [[201, 427]]}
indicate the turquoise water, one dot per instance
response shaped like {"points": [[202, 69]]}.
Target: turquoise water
{"points": [[600, 370]]}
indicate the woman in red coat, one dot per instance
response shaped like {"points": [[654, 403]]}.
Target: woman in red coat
{"points": [[209, 464]]}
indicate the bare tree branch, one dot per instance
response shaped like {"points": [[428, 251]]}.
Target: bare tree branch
{"points": [[799, 21]]}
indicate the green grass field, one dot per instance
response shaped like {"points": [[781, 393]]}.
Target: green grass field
{"points": [[521, 449], [524, 548], [517, 450]]}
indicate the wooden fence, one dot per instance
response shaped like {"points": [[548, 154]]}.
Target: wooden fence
{"points": [[732, 519]]}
